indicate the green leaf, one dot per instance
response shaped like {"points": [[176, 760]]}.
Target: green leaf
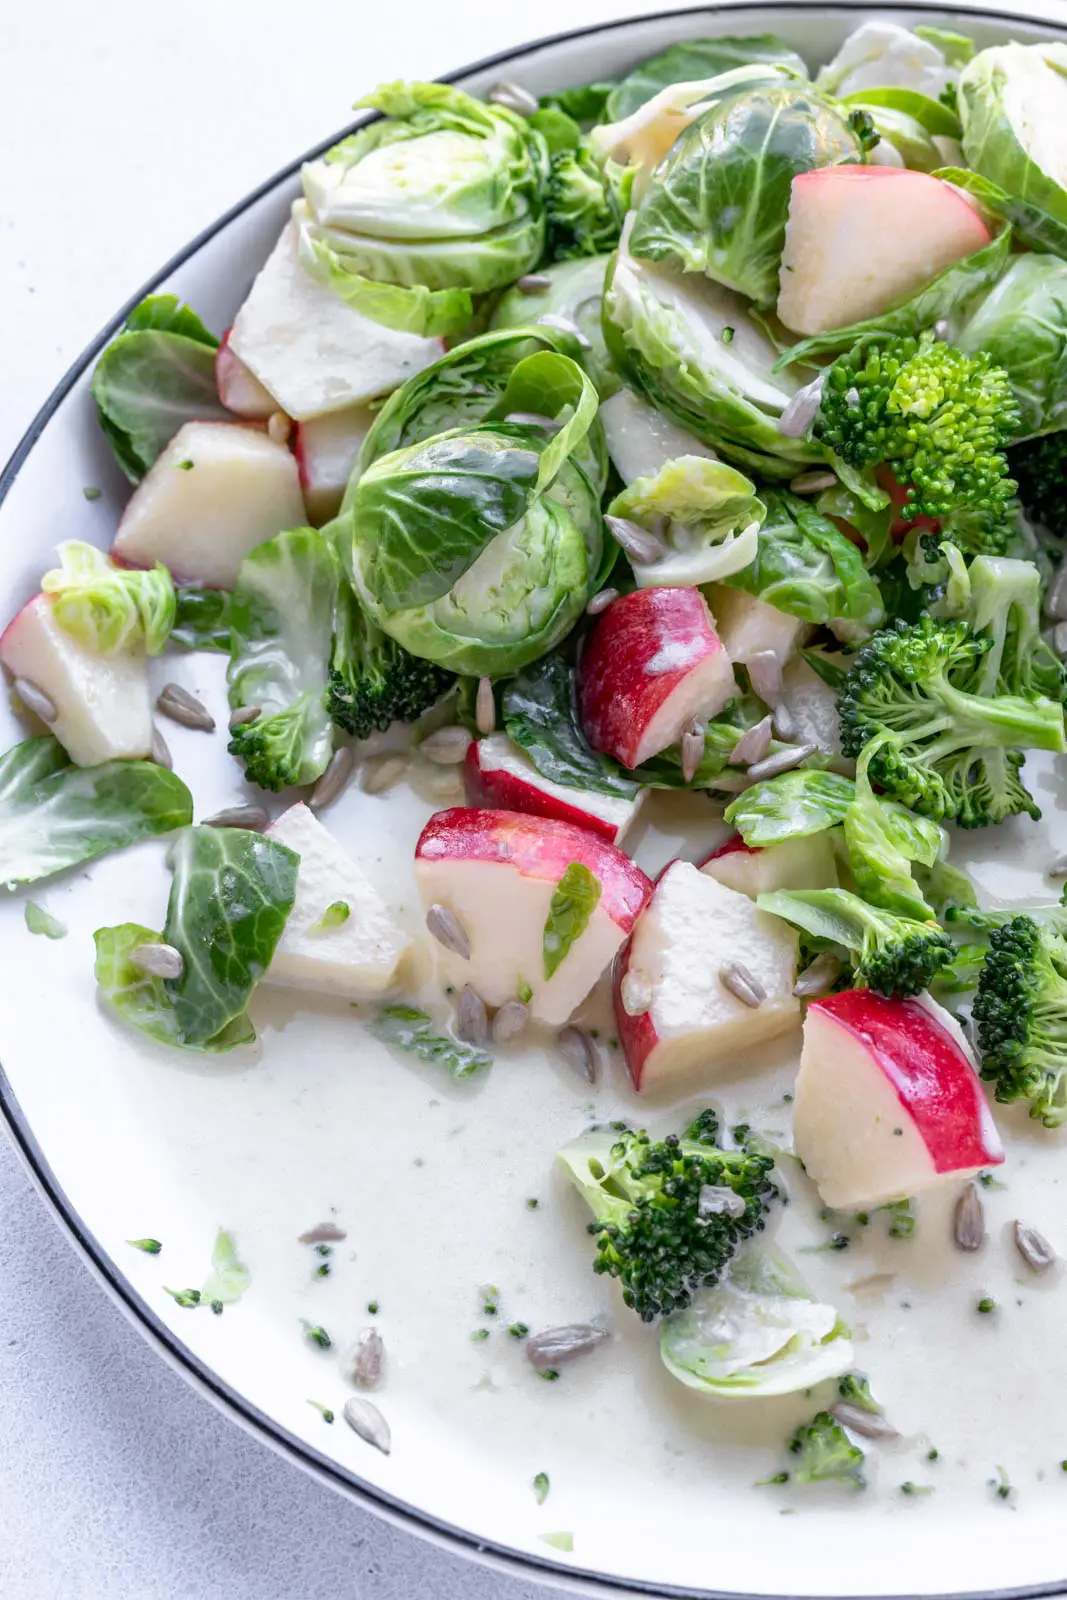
{"points": [[956, 48], [413, 1030], [585, 104], [202, 618], [156, 375], [231, 896], [807, 567], [573, 292], [144, 1002], [54, 815], [1013, 101], [541, 1488], [791, 806], [695, 59], [38, 920], [432, 313], [151, 1247], [559, 131], [229, 1277], [541, 716], [710, 512], [334, 916], [110, 610], [948, 293], [931, 115], [1030, 224], [575, 899], [281, 626], [1022, 325]]}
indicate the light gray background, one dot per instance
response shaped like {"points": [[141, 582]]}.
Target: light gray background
{"points": [[126, 126]]}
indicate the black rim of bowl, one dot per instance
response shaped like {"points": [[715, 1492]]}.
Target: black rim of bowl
{"points": [[519, 1563]]}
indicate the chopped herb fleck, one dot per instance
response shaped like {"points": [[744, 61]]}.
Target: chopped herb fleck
{"points": [[550, 1374], [490, 1297], [532, 1205], [373, 1307], [327, 1414], [559, 1541], [333, 917], [1001, 1485], [727, 336], [315, 1335], [986, 1305], [184, 1297], [92, 494], [185, 466], [216, 1306], [779, 1477], [524, 992], [38, 920], [479, 1334], [903, 1221], [541, 1487], [323, 1250], [916, 1488], [989, 1181], [935, 1455], [741, 1132], [787, 1099], [151, 1247], [323, 1271], [519, 1330]]}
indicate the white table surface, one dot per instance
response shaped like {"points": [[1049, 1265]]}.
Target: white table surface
{"points": [[126, 126]]}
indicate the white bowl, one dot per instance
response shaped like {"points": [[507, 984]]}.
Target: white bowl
{"points": [[126, 1140]]}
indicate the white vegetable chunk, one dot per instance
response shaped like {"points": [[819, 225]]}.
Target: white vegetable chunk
{"points": [[748, 626]]}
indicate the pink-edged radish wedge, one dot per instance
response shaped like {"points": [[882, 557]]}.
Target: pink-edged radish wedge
{"points": [[887, 1100], [676, 1012], [215, 492], [651, 665], [326, 449], [103, 704], [239, 389], [748, 626], [498, 773], [859, 240], [494, 874], [806, 863]]}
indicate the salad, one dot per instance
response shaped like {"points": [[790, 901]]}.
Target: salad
{"points": [[701, 436]]}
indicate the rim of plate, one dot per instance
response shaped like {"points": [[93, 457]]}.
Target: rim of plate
{"points": [[518, 1563]]}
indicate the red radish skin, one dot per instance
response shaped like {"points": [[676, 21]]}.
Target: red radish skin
{"points": [[898, 493], [652, 662], [239, 389], [734, 844], [490, 786]]}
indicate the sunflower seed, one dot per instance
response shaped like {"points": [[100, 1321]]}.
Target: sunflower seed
{"points": [[161, 751], [742, 984], [579, 1052], [181, 706], [635, 992], [366, 1420], [382, 772], [323, 1233], [1033, 1247], [446, 746], [242, 715], [813, 482], [447, 929], [279, 427], [819, 977], [534, 419], [717, 1200], [866, 1423], [600, 602], [941, 329], [692, 749], [800, 413], [1056, 595], [968, 1219], [781, 761], [752, 745], [512, 1019], [334, 780], [1059, 638], [554, 1347], [34, 699], [366, 1364], [533, 283], [565, 325], [158, 960], [784, 724], [253, 818], [852, 398], [513, 97], [642, 547], [472, 1019], [765, 675], [1058, 869], [485, 707]]}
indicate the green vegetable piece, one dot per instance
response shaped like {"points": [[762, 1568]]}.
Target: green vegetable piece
{"points": [[807, 567], [413, 1030], [155, 375], [144, 1002], [1008, 96], [316, 1335], [695, 59], [541, 1487], [825, 1454], [1021, 1013], [479, 1335], [335, 916], [151, 1247], [374, 681], [855, 1388], [91, 493], [573, 292], [792, 806], [229, 1277], [957, 48], [581, 212], [525, 994], [187, 1298], [1030, 225], [541, 716], [1021, 325], [202, 618], [883, 839], [281, 625], [710, 513], [893, 955], [558, 1541], [518, 1330], [110, 610], [903, 1223], [54, 815], [575, 899], [916, 1489], [325, 1412], [986, 1305], [38, 920]]}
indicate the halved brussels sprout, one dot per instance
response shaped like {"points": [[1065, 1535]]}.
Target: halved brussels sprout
{"points": [[711, 516], [885, 55], [1013, 105], [1022, 324]]}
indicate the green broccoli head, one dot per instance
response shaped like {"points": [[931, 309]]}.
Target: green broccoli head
{"points": [[669, 1214], [1021, 1012], [944, 742], [1040, 465], [825, 1454], [1005, 607], [373, 680], [274, 748], [940, 420], [891, 954], [580, 211]]}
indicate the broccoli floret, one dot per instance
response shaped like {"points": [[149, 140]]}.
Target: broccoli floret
{"points": [[826, 1454], [1021, 1012], [274, 748], [1040, 465], [856, 1389], [669, 1214], [581, 215], [1005, 607], [945, 745], [373, 680], [940, 420], [891, 954]]}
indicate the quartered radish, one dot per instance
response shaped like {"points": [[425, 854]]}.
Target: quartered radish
{"points": [[806, 863], [499, 774], [326, 448], [748, 626], [239, 389]]}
